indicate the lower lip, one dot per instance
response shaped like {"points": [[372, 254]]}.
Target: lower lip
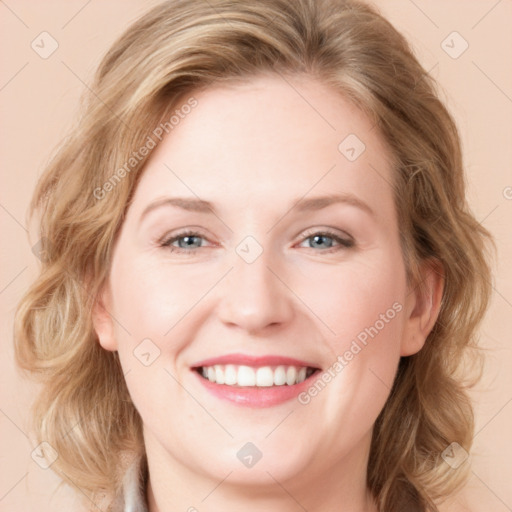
{"points": [[256, 396]]}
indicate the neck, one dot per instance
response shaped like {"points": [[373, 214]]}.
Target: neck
{"points": [[342, 487]]}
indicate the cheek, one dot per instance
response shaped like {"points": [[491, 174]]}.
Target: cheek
{"points": [[359, 300], [363, 308], [151, 298]]}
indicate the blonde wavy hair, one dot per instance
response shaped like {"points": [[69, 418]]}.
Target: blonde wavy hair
{"points": [[85, 412]]}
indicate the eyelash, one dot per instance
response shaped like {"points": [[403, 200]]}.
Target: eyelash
{"points": [[344, 243]]}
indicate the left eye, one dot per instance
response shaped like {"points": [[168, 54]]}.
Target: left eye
{"points": [[320, 237], [190, 241]]}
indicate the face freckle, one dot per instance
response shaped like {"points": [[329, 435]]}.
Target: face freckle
{"points": [[260, 273]]}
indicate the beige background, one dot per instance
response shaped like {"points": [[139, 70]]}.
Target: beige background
{"points": [[39, 96]]}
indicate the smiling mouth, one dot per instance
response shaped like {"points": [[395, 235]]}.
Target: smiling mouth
{"points": [[242, 376]]}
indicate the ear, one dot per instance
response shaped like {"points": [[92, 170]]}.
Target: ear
{"points": [[423, 306], [102, 319]]}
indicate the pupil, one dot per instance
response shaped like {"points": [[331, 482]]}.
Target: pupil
{"points": [[189, 240], [320, 237]]}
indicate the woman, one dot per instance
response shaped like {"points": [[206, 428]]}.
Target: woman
{"points": [[257, 369]]}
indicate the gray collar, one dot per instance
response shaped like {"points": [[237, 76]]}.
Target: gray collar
{"points": [[132, 497]]}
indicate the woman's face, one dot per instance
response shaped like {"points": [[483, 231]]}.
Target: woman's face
{"points": [[297, 263]]}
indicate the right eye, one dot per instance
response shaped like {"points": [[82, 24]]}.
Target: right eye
{"points": [[190, 239]]}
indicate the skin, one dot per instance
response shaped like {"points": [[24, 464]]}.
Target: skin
{"points": [[254, 149]]}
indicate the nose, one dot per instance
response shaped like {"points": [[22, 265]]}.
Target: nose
{"points": [[254, 296]]}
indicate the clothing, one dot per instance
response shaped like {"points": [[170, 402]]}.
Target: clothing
{"points": [[133, 493]]}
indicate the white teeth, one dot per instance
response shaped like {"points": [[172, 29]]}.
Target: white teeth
{"points": [[230, 376], [280, 376], [264, 377], [219, 375], [247, 376], [291, 375]]}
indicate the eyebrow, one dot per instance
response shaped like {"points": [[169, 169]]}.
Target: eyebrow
{"points": [[301, 205]]}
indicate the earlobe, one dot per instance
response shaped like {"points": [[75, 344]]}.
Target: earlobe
{"points": [[102, 320], [424, 307]]}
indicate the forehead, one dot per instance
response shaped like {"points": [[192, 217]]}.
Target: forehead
{"points": [[265, 141]]}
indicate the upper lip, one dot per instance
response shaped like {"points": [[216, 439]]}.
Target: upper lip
{"points": [[256, 361]]}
